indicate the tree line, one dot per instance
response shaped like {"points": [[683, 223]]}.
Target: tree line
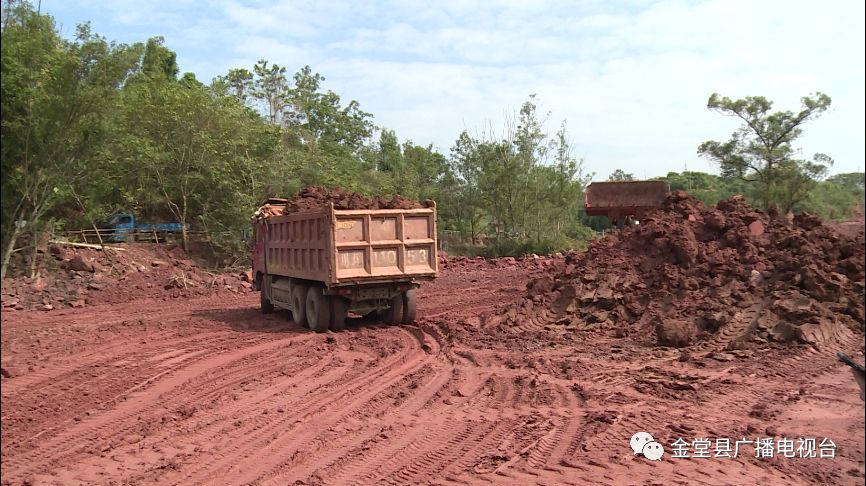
{"points": [[91, 127]]}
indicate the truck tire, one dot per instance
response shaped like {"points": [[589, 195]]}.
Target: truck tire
{"points": [[338, 313], [410, 308], [299, 305], [267, 305], [318, 310], [394, 315]]}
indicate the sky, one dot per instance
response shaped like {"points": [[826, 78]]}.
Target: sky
{"points": [[630, 79]]}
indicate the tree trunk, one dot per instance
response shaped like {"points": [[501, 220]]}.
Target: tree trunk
{"points": [[183, 233], [34, 256], [10, 249]]}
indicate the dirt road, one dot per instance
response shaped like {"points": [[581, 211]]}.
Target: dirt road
{"points": [[209, 391]]}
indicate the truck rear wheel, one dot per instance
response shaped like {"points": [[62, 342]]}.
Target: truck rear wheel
{"points": [[410, 309], [338, 313], [299, 305], [267, 305], [318, 310], [394, 315]]}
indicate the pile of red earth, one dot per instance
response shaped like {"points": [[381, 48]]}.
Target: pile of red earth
{"points": [[689, 272], [78, 277], [315, 197], [470, 264]]}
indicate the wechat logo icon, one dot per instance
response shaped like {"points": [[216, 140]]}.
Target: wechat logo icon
{"points": [[643, 443]]}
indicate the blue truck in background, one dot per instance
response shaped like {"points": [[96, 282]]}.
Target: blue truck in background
{"points": [[125, 227]]}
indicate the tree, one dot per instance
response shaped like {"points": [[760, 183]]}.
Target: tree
{"points": [[567, 182], [761, 152], [240, 81], [56, 95], [159, 61], [270, 87], [620, 175]]}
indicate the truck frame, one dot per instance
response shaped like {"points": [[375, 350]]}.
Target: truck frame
{"points": [[322, 264]]}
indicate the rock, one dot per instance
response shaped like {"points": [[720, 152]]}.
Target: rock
{"points": [[673, 332], [246, 285], [5, 373], [247, 276], [77, 304], [79, 264], [38, 285], [47, 307], [12, 302], [95, 286], [712, 321], [159, 263], [755, 278], [756, 228]]}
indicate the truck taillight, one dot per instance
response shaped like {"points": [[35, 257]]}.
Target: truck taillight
{"points": [[345, 291]]}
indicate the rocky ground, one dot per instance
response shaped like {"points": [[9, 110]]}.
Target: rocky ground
{"points": [[521, 371]]}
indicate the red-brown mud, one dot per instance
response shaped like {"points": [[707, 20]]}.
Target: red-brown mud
{"points": [[691, 272], [206, 390], [79, 277], [314, 197]]}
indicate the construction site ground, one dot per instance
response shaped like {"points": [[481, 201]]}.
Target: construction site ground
{"points": [[206, 389], [715, 328]]}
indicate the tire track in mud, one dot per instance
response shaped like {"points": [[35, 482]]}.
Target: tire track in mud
{"points": [[106, 360], [423, 421], [123, 418], [318, 412], [334, 452], [112, 382], [116, 348]]}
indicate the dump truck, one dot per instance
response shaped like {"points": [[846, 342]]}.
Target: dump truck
{"points": [[321, 264], [624, 201]]}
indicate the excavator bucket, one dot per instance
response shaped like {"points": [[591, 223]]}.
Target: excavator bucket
{"points": [[621, 199]]}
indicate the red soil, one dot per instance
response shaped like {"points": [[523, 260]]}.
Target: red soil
{"points": [[204, 389]]}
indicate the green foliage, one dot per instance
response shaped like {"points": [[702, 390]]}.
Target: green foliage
{"points": [[834, 198], [620, 175], [520, 192], [91, 127], [837, 197], [57, 97], [761, 152]]}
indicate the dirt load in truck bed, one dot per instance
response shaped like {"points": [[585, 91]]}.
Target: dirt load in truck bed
{"points": [[317, 197]]}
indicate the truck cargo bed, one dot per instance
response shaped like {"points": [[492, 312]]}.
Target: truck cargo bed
{"points": [[339, 247], [623, 198]]}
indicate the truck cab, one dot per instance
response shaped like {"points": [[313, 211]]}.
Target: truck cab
{"points": [[121, 225]]}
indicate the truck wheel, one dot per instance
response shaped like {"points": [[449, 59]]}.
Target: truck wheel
{"points": [[267, 305], [299, 305], [410, 309], [394, 315], [338, 313], [318, 310]]}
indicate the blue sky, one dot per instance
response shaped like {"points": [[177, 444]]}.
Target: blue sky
{"points": [[630, 78]]}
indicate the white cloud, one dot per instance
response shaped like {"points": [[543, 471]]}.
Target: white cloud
{"points": [[632, 80]]}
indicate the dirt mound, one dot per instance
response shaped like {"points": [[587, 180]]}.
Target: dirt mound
{"points": [[689, 272], [78, 277], [854, 226], [315, 197]]}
